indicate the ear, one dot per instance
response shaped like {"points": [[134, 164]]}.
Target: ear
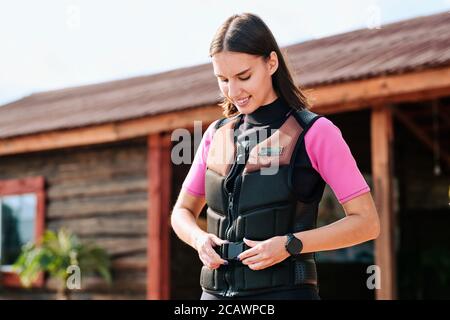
{"points": [[272, 62]]}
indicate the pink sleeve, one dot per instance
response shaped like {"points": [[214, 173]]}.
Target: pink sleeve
{"points": [[194, 183], [332, 159]]}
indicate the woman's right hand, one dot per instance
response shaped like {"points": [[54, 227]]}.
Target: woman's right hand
{"points": [[204, 244]]}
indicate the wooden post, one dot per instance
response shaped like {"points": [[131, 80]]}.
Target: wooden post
{"points": [[382, 171], [158, 246]]}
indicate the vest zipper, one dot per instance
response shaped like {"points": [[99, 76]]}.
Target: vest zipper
{"points": [[232, 209], [228, 280], [230, 221], [237, 189], [230, 216]]}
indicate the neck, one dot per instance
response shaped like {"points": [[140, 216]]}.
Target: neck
{"points": [[268, 113]]}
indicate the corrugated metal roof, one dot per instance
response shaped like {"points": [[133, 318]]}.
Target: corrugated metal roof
{"points": [[409, 45]]}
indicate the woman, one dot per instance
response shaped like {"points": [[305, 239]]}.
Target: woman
{"points": [[261, 171]]}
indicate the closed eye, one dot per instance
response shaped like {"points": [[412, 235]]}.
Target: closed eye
{"points": [[242, 79]]}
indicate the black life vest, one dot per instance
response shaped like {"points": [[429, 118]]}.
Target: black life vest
{"points": [[249, 193]]}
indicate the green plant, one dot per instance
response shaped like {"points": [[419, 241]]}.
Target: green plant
{"points": [[55, 253]]}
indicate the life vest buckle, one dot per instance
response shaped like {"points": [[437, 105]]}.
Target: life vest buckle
{"points": [[230, 250]]}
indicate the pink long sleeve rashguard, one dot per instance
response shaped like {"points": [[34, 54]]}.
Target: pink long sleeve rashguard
{"points": [[329, 154]]}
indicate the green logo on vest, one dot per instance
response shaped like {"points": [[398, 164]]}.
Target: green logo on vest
{"points": [[270, 151]]}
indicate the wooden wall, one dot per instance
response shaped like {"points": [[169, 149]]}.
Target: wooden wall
{"points": [[100, 193]]}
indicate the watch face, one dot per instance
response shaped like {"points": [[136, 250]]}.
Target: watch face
{"points": [[294, 246]]}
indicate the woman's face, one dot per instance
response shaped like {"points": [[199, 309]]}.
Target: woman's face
{"points": [[245, 79]]}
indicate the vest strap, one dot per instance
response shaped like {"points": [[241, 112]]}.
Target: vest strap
{"points": [[230, 250]]}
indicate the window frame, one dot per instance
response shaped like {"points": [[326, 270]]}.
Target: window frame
{"points": [[12, 187]]}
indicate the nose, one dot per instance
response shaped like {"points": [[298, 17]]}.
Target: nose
{"points": [[233, 90]]}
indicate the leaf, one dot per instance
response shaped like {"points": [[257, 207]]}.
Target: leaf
{"points": [[56, 253]]}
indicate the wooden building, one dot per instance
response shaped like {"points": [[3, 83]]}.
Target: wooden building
{"points": [[97, 158]]}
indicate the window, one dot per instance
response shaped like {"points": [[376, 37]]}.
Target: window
{"points": [[22, 204], [17, 220]]}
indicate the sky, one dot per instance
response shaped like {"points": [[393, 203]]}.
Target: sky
{"points": [[54, 44]]}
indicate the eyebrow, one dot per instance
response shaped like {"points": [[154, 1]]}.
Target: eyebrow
{"points": [[237, 74]]}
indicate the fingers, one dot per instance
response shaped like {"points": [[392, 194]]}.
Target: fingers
{"points": [[248, 253], [252, 259], [258, 265], [212, 260], [258, 261], [256, 258], [208, 255], [216, 260], [217, 240]]}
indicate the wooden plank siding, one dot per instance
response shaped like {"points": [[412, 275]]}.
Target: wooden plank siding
{"points": [[100, 193]]}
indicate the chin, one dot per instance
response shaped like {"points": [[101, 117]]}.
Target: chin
{"points": [[245, 110]]}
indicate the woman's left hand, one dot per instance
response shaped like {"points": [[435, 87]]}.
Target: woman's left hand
{"points": [[264, 254]]}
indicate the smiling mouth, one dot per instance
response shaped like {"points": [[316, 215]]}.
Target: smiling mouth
{"points": [[242, 102]]}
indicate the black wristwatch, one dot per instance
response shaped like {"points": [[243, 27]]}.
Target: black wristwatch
{"points": [[293, 245]]}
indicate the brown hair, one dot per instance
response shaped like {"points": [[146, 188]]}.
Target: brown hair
{"points": [[247, 33]]}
